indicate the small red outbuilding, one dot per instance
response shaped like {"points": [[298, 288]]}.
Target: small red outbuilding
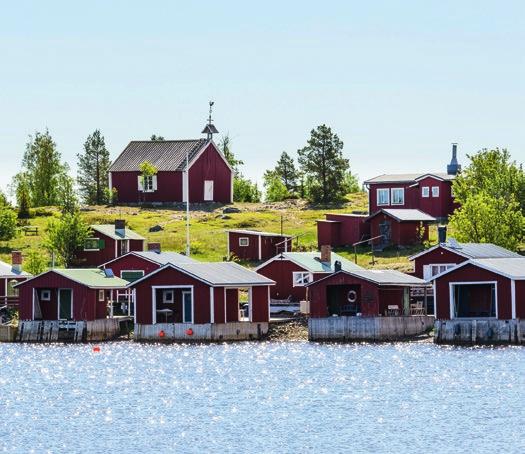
{"points": [[342, 229], [481, 289], [252, 245]]}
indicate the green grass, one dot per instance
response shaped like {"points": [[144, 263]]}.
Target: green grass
{"points": [[208, 225]]}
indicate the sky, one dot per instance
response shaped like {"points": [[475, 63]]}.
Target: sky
{"points": [[398, 81]]}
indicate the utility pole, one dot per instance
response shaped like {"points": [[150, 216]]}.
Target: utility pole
{"points": [[187, 184]]}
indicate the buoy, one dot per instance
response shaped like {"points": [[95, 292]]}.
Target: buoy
{"points": [[162, 333], [189, 332], [96, 349]]}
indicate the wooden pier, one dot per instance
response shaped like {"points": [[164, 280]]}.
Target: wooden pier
{"points": [[479, 332], [373, 329]]}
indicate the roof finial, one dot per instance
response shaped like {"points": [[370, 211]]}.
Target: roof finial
{"points": [[210, 129]]}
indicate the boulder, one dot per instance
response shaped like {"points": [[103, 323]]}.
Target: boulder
{"points": [[229, 210], [156, 228]]}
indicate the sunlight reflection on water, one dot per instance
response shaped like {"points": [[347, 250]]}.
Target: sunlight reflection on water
{"points": [[261, 397]]}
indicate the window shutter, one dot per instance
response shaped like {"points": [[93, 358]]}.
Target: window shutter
{"points": [[101, 244], [154, 181], [139, 181]]}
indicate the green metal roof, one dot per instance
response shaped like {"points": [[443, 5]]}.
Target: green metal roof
{"points": [[109, 230], [91, 277], [311, 261]]}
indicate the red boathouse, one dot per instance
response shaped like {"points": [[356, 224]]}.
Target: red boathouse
{"points": [[252, 245], [108, 241]]}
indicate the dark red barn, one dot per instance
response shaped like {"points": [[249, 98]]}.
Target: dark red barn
{"points": [[370, 293], [252, 245], [68, 294], [200, 293], [292, 271], [491, 288], [399, 227], [210, 176], [342, 229], [108, 241]]}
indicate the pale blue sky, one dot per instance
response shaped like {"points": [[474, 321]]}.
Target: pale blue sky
{"points": [[397, 80]]}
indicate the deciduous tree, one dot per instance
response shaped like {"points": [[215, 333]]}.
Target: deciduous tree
{"points": [[65, 236]]}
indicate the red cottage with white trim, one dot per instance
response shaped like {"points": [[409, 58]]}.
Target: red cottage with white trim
{"points": [[292, 271], [481, 289], [252, 245], [210, 175], [428, 192], [108, 241]]}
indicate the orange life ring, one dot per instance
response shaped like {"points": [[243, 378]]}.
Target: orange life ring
{"points": [[162, 333], [96, 349], [189, 332]]}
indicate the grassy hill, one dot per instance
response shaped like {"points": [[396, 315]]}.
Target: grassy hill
{"points": [[208, 224]]}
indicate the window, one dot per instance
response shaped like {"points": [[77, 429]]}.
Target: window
{"points": [[92, 244], [131, 276], [148, 183], [435, 191], [101, 295], [300, 278], [435, 269], [383, 197], [45, 295], [167, 296], [11, 290], [124, 247], [244, 241], [398, 196], [425, 191]]}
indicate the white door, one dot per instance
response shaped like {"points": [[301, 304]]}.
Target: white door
{"points": [[208, 190]]}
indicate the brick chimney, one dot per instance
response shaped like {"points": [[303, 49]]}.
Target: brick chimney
{"points": [[16, 261], [154, 247], [326, 253], [120, 227]]}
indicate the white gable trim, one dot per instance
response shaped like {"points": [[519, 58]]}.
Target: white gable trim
{"points": [[479, 265], [433, 248]]}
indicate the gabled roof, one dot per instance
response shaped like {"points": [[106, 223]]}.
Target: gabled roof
{"points": [[408, 177], [405, 215], [165, 155], [512, 268], [109, 230], [472, 250], [8, 271], [160, 258], [90, 277], [379, 277], [215, 274], [311, 261], [257, 233]]}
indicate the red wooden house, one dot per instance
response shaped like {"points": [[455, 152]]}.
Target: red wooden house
{"points": [[68, 294], [292, 271], [339, 230], [370, 293], [428, 192], [492, 288], [399, 227], [253, 245], [210, 176], [199, 293], [11, 275], [444, 256], [108, 241]]}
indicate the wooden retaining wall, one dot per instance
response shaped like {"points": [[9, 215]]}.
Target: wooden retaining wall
{"points": [[7, 333], [472, 332], [375, 329], [208, 332]]}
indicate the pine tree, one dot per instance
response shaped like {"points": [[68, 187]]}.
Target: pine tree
{"points": [[42, 165], [93, 168], [323, 164], [287, 171]]}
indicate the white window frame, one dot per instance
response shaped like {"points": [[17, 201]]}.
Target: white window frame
{"points": [[168, 292], [452, 301], [124, 247], [101, 295], [435, 191], [392, 196], [45, 292], [92, 239], [441, 268], [381, 191], [243, 239], [425, 192], [301, 278]]}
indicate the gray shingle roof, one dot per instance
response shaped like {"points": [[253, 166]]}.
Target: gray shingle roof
{"points": [[311, 262], [473, 250], [381, 277], [513, 267], [164, 257], [406, 214], [167, 155], [258, 233], [109, 230], [407, 177]]}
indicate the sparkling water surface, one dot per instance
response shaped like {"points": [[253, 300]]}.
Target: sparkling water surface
{"points": [[262, 397]]}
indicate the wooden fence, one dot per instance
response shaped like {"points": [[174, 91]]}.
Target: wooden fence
{"points": [[480, 331]]}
